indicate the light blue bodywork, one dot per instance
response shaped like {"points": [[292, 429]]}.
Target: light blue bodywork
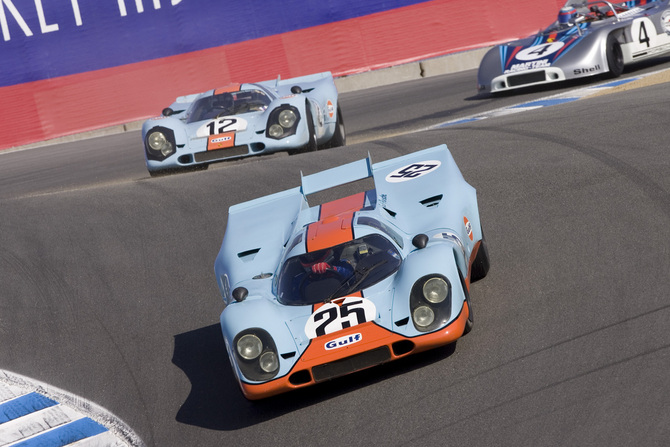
{"points": [[317, 97], [262, 233]]}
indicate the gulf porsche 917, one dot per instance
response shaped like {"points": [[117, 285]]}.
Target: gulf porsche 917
{"points": [[314, 293], [242, 120], [589, 38]]}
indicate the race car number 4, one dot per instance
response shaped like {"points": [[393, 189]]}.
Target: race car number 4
{"points": [[331, 318], [221, 125], [415, 170]]}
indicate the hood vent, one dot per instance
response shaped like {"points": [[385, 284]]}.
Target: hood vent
{"points": [[248, 255], [431, 201]]}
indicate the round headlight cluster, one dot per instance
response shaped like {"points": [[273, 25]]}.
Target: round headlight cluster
{"points": [[283, 122], [257, 354], [430, 302], [159, 142]]}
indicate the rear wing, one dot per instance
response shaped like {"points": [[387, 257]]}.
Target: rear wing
{"points": [[258, 230], [338, 176]]}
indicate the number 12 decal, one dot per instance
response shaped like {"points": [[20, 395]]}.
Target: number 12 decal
{"points": [[221, 125], [331, 318]]}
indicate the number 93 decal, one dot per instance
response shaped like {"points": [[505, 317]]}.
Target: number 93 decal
{"points": [[415, 170], [331, 318]]}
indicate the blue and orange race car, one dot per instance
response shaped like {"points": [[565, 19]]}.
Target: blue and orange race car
{"points": [[313, 293], [242, 120]]}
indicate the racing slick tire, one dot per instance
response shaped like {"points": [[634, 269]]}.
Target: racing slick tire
{"points": [[614, 56], [340, 135], [471, 319], [480, 266], [311, 145]]}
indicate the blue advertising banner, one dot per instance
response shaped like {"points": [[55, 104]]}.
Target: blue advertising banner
{"points": [[44, 39]]}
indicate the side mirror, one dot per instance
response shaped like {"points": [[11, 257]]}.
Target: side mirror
{"points": [[420, 241], [167, 111], [240, 294], [296, 90]]}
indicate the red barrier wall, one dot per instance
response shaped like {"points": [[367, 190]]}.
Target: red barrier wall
{"points": [[65, 105]]}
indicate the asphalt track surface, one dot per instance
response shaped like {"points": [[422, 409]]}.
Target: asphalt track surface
{"points": [[108, 289]]}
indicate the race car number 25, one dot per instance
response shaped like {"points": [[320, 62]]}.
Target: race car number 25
{"points": [[415, 170], [331, 318]]}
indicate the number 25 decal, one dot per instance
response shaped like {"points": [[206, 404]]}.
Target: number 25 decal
{"points": [[415, 170], [331, 318]]}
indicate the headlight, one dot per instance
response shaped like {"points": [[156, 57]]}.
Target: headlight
{"points": [[423, 316], [430, 303], [269, 362], [287, 118], [157, 140], [282, 122], [249, 347], [435, 290], [160, 143], [256, 354], [276, 131]]}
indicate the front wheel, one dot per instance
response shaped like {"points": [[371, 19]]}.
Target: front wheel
{"points": [[481, 264], [311, 145], [614, 56], [340, 136]]}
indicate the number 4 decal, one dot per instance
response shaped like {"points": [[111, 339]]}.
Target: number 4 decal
{"points": [[331, 318], [644, 35]]}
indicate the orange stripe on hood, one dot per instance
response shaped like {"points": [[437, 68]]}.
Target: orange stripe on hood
{"points": [[335, 223], [228, 89]]}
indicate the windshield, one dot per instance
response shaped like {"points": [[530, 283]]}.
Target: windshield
{"points": [[338, 271], [226, 104]]}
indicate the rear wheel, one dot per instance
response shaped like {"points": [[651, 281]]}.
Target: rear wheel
{"points": [[614, 56]]}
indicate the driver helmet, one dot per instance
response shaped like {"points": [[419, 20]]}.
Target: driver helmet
{"points": [[566, 15], [223, 101]]}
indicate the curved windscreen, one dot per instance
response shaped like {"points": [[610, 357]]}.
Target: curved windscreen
{"points": [[338, 271], [227, 104]]}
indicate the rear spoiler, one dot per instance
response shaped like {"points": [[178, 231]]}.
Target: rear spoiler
{"points": [[340, 175]]}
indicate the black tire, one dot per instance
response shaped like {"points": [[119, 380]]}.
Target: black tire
{"points": [[614, 56], [471, 318], [340, 135], [481, 264], [311, 145]]}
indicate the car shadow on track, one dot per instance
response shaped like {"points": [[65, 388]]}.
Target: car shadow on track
{"points": [[216, 402]]}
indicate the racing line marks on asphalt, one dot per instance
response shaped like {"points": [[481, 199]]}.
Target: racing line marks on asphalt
{"points": [[35, 414], [561, 98]]}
